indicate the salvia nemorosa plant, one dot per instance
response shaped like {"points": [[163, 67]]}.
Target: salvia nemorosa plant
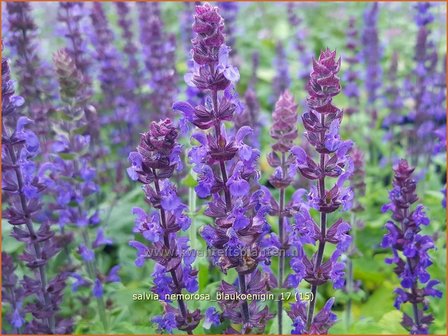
{"points": [[153, 164], [31, 72], [36, 303], [305, 55], [351, 76], [282, 80], [284, 133], [72, 15], [229, 12], [159, 49], [70, 179], [410, 250], [322, 122], [226, 169], [371, 55], [118, 100]]}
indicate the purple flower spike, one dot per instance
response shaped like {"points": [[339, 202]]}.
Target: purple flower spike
{"points": [[410, 249], [284, 132], [428, 90], [22, 188], [322, 122], [153, 165], [225, 166]]}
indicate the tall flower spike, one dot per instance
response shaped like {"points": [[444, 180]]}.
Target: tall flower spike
{"points": [[226, 171], [159, 49], [32, 74], [71, 180], [371, 54], [284, 133], [23, 190], [322, 123], [153, 165], [410, 250], [351, 76]]}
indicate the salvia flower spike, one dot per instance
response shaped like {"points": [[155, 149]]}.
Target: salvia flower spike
{"points": [[23, 188], [284, 133], [153, 164], [71, 179], [226, 172], [322, 123], [410, 250]]}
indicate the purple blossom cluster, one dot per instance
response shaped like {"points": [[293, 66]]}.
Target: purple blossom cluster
{"points": [[35, 301], [410, 250], [351, 76], [226, 169], [322, 123], [153, 164]]}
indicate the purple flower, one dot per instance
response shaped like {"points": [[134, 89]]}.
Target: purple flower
{"points": [[322, 123], [165, 323], [153, 165], [97, 289], [212, 318], [225, 166], [22, 188], [404, 237]]}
